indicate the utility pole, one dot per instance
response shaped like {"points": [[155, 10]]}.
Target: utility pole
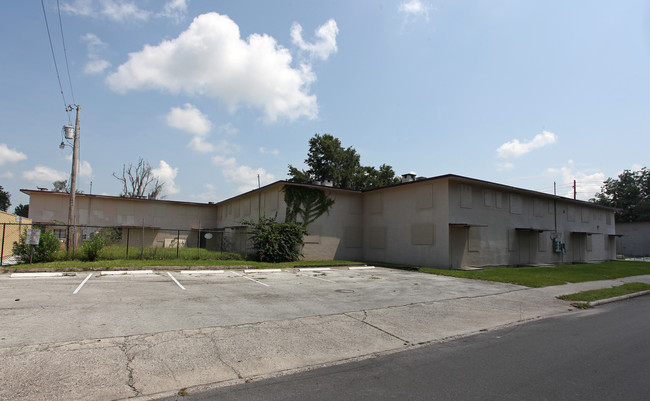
{"points": [[574, 189], [73, 179]]}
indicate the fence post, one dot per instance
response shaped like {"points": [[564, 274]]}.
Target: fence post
{"points": [[142, 247], [178, 242], [128, 232], [2, 250]]}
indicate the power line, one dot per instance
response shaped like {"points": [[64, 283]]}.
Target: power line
{"points": [[65, 53], [56, 67]]}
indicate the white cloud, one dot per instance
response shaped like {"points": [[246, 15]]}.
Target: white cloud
{"points": [[43, 174], [174, 9], [587, 183], [326, 44], [209, 194], [85, 170], [189, 119], [414, 9], [227, 129], [10, 155], [7, 174], [515, 148], [265, 151], [244, 177], [167, 174], [505, 166], [199, 144], [95, 64], [116, 10], [210, 58]]}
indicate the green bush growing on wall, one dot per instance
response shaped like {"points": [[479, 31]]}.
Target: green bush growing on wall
{"points": [[276, 242], [45, 251]]}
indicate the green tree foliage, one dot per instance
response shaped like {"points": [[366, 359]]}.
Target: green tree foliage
{"points": [[630, 192], [45, 251], [22, 210], [328, 160], [276, 242], [5, 199], [305, 202], [61, 186]]}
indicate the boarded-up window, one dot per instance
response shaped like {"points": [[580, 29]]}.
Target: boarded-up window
{"points": [[474, 239], [516, 204], [538, 207], [424, 197], [498, 200], [609, 219], [542, 241], [590, 244], [422, 234], [377, 237], [353, 237], [271, 200], [512, 241], [465, 196], [374, 204], [356, 205], [488, 198], [246, 207], [585, 214], [571, 213]]}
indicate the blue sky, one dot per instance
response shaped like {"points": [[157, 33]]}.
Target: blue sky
{"points": [[213, 93]]}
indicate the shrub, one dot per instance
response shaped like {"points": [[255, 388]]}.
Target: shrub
{"points": [[45, 251], [276, 242], [92, 249]]}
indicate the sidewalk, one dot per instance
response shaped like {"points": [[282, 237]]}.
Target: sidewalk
{"points": [[160, 364]]}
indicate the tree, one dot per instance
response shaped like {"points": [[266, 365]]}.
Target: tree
{"points": [[61, 186], [329, 161], [22, 210], [630, 192], [307, 202], [5, 199], [137, 180]]}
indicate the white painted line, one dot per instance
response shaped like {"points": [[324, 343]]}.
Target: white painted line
{"points": [[125, 272], [315, 269], [202, 271], [262, 270], [361, 267], [176, 281], [36, 275], [248, 278], [82, 283]]}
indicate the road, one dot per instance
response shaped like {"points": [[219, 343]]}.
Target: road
{"points": [[600, 354]]}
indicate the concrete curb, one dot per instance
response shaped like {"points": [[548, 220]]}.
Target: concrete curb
{"points": [[619, 298], [262, 270], [125, 272], [361, 267], [41, 275], [315, 269], [202, 272]]}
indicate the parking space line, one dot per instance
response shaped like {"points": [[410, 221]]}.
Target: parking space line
{"points": [[176, 281], [82, 283], [248, 278], [125, 272], [189, 272]]}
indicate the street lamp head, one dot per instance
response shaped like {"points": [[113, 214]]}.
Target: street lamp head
{"points": [[61, 145]]}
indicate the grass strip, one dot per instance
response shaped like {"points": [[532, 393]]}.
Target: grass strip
{"points": [[605, 293], [549, 276]]}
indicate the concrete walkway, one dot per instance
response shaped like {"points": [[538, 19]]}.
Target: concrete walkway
{"points": [[160, 364]]}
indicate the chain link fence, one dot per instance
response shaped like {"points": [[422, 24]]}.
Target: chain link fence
{"points": [[137, 242]]}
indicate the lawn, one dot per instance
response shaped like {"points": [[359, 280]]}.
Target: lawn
{"points": [[604, 293], [548, 276], [120, 264]]}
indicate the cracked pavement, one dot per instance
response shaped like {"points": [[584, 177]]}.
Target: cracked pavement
{"points": [[224, 330]]}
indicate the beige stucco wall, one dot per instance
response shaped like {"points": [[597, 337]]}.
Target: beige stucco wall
{"points": [[407, 224], [634, 240], [511, 227], [95, 210], [331, 236]]}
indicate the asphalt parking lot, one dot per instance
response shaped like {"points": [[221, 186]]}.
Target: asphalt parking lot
{"points": [[38, 310]]}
